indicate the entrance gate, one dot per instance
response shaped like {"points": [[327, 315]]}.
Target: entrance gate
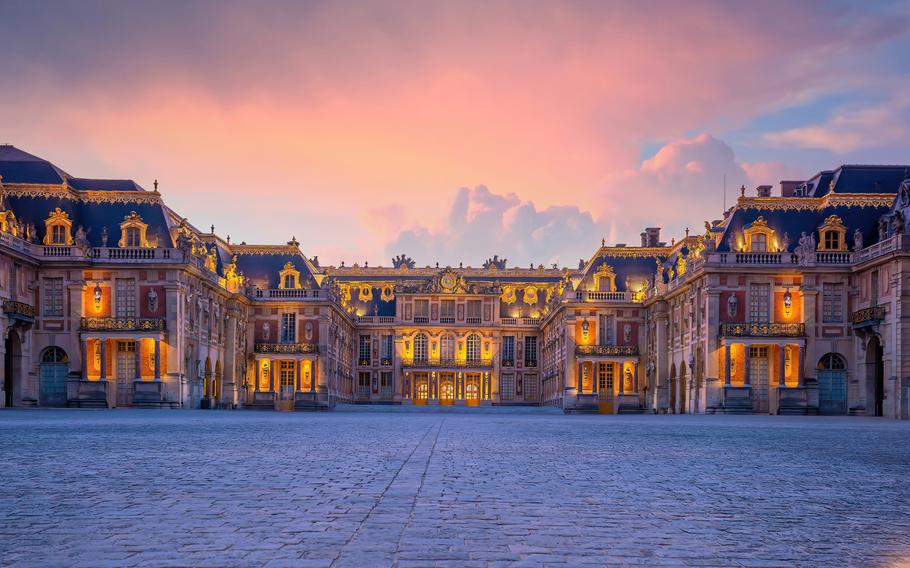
{"points": [[758, 375]]}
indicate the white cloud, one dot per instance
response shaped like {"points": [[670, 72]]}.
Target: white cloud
{"points": [[849, 129], [482, 223]]}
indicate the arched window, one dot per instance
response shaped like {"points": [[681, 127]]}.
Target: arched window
{"points": [[420, 348], [54, 355], [832, 362], [473, 344], [290, 281], [447, 347], [59, 235]]}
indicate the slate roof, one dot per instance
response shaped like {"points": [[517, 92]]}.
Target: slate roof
{"points": [[17, 166], [850, 178], [266, 267]]}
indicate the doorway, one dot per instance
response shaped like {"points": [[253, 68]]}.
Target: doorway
{"points": [[52, 375], [758, 376], [12, 366]]}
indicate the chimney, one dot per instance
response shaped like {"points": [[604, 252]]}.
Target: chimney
{"points": [[763, 190], [788, 187], [651, 237]]}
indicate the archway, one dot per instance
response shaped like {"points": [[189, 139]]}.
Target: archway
{"points": [[682, 388], [875, 378], [12, 366], [52, 373], [832, 384], [206, 385], [672, 385], [216, 383]]}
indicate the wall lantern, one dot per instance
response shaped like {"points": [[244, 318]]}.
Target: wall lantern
{"points": [[584, 330], [788, 302]]}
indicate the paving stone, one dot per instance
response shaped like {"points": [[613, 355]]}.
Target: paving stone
{"points": [[500, 487]]}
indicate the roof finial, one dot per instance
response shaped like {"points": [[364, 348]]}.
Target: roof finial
{"points": [[229, 239], [293, 242], [603, 242], [742, 191], [213, 229], [687, 232], [156, 184]]}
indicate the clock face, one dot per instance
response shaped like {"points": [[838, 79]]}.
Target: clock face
{"points": [[448, 281]]}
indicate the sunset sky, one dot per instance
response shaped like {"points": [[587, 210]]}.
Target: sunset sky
{"points": [[454, 131]]}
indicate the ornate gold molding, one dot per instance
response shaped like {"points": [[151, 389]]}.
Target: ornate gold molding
{"points": [[815, 203]]}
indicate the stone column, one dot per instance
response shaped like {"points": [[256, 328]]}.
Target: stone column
{"points": [[157, 360], [727, 363], [103, 347], [622, 377], [84, 346], [747, 375], [634, 376], [313, 376], [138, 359], [272, 375], [796, 362], [581, 383], [782, 375]]}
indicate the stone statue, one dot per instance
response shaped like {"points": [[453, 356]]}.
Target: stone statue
{"points": [[882, 229], [266, 331], [805, 250], [81, 241], [627, 333], [857, 239], [103, 236], [785, 242], [731, 242], [32, 233], [897, 223], [152, 300], [732, 305]]}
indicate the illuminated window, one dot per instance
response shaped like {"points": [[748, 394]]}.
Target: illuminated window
{"points": [[59, 235], [132, 237], [605, 329], [473, 345], [447, 347], [290, 281], [759, 243], [420, 348]]}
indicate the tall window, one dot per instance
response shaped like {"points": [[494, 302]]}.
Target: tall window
{"points": [[760, 303], [874, 291], [474, 311], [508, 349], [447, 312], [385, 347], [59, 235], [507, 387], [420, 348], [605, 329], [473, 345], [132, 237], [53, 297], [833, 303], [364, 350], [125, 290], [530, 351], [447, 347], [290, 281], [832, 240], [759, 243], [288, 328], [422, 310]]}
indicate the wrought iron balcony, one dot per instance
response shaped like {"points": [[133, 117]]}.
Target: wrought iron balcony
{"points": [[762, 330], [508, 362], [123, 324], [607, 350], [19, 310], [867, 316], [444, 363], [286, 348]]}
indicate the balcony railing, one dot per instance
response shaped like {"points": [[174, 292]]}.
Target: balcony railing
{"points": [[779, 258], [287, 294], [868, 316], [595, 296], [443, 363], [421, 320], [762, 329], [447, 319], [607, 350], [287, 348], [123, 324], [19, 310], [508, 362], [472, 320]]}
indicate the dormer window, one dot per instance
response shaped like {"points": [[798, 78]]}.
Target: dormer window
{"points": [[832, 235], [133, 231], [289, 277], [58, 228], [759, 237], [759, 243]]}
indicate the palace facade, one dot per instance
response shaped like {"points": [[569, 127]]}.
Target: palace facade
{"points": [[789, 304]]}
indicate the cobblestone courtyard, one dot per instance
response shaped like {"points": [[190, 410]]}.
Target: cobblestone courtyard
{"points": [[380, 487]]}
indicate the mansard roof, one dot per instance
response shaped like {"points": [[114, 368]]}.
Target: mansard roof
{"points": [[87, 184], [794, 216], [262, 265], [17, 166], [851, 178], [632, 264]]}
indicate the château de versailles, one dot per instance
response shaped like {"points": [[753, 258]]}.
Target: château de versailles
{"points": [[791, 303]]}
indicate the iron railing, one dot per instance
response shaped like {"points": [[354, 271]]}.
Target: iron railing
{"points": [[123, 324], [762, 329]]}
